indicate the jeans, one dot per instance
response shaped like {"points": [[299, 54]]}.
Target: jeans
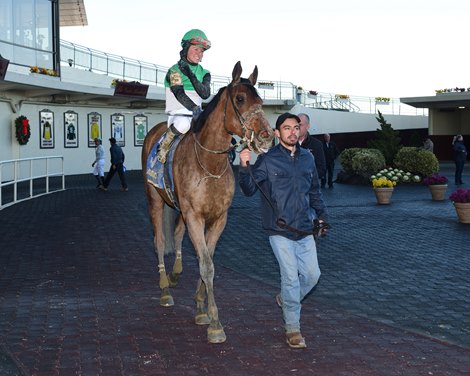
{"points": [[300, 272], [120, 170], [330, 167], [458, 171]]}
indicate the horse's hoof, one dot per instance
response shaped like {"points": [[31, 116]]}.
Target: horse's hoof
{"points": [[167, 301], [202, 319], [216, 335]]}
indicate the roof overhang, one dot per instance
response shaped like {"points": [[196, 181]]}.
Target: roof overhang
{"points": [[72, 13], [441, 100]]}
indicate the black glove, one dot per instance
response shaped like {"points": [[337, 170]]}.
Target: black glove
{"points": [[197, 111], [184, 68]]}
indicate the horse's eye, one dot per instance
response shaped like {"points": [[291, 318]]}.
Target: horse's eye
{"points": [[241, 98]]}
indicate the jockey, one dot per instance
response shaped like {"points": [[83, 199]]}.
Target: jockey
{"points": [[187, 84]]}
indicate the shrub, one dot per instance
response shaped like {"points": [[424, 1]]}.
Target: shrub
{"points": [[346, 157], [417, 161], [387, 140], [367, 161]]}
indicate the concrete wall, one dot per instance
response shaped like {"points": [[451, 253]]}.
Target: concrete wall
{"points": [[78, 160]]}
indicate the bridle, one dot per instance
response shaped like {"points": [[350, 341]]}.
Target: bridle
{"points": [[248, 132]]}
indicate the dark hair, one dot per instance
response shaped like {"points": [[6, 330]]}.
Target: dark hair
{"points": [[112, 140], [282, 118]]}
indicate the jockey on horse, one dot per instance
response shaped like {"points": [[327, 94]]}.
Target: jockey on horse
{"points": [[187, 84]]}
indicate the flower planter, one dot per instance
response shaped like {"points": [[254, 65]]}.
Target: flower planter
{"points": [[382, 103], [438, 191], [463, 211], [383, 195]]}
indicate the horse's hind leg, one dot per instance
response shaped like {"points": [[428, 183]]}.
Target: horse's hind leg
{"points": [[156, 203], [202, 318], [174, 276]]}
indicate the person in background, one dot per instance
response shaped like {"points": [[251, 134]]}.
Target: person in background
{"points": [[290, 200], [117, 164], [331, 153], [187, 84], [311, 143], [428, 144], [460, 156], [98, 164]]}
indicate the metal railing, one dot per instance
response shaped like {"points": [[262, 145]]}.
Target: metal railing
{"points": [[23, 179], [85, 58]]}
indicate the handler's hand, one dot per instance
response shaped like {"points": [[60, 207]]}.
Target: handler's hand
{"points": [[245, 155]]}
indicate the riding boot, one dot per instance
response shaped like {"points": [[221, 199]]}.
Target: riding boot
{"points": [[102, 180], [99, 181], [166, 143]]}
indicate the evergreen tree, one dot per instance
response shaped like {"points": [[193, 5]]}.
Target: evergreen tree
{"points": [[387, 140]]}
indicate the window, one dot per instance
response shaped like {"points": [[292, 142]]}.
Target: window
{"points": [[26, 32]]}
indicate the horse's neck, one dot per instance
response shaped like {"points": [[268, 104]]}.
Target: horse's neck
{"points": [[213, 136]]}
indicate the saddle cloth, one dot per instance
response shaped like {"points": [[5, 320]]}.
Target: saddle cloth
{"points": [[158, 174]]}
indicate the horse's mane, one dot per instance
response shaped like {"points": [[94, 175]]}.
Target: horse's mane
{"points": [[197, 125]]}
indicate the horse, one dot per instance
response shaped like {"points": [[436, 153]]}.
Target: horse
{"points": [[204, 185]]}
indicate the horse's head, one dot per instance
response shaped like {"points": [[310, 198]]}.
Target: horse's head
{"points": [[244, 114]]}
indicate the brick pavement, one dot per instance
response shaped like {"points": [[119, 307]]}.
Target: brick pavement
{"points": [[79, 290]]}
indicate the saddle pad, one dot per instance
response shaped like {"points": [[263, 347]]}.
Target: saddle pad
{"points": [[158, 174]]}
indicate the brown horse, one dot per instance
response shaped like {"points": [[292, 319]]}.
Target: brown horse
{"points": [[204, 185]]}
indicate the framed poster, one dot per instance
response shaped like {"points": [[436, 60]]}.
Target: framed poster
{"points": [[94, 128], [70, 129], [117, 129], [46, 131], [140, 129]]}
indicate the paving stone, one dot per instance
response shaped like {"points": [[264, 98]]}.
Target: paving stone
{"points": [[79, 290]]}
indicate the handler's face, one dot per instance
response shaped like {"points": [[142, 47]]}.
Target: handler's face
{"points": [[288, 133]]}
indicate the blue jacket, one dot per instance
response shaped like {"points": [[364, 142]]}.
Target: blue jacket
{"points": [[460, 151], [291, 185], [117, 155]]}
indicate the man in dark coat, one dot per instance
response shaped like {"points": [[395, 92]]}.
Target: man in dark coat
{"points": [[308, 141], [331, 153]]}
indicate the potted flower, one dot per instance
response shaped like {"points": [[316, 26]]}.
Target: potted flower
{"points": [[266, 85], [341, 97], [461, 200], [383, 188], [382, 100], [385, 180], [437, 185], [312, 93]]}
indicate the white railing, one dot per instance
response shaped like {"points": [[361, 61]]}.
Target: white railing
{"points": [[23, 179], [81, 57]]}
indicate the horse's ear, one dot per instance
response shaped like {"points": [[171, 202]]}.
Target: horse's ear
{"points": [[237, 72], [254, 76]]}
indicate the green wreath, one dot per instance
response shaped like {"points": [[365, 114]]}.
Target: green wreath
{"points": [[23, 130]]}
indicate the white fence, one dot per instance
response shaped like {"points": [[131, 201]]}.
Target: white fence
{"points": [[23, 179]]}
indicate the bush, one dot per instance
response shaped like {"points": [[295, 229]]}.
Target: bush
{"points": [[417, 161], [346, 157], [367, 161], [358, 164]]}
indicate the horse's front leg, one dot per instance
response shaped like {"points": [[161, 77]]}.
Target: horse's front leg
{"points": [[174, 276], [202, 318], [205, 246]]}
